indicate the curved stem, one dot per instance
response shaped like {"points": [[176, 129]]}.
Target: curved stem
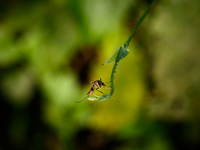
{"points": [[112, 78], [141, 19], [119, 54]]}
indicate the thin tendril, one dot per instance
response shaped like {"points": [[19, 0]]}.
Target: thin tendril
{"points": [[139, 23]]}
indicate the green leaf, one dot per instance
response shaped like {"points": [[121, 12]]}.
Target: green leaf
{"points": [[114, 56], [123, 52]]}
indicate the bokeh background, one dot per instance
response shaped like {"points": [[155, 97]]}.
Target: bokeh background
{"points": [[50, 50]]}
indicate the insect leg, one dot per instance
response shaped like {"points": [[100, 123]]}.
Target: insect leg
{"points": [[114, 99], [82, 100], [105, 93], [100, 91], [109, 81], [107, 87]]}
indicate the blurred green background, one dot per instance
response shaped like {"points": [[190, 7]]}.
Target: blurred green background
{"points": [[51, 50]]}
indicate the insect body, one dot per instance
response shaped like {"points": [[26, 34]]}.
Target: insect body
{"points": [[91, 91], [96, 85]]}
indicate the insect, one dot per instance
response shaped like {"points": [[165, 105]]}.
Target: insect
{"points": [[96, 85]]}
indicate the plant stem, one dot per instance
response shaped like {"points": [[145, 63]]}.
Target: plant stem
{"points": [[139, 23]]}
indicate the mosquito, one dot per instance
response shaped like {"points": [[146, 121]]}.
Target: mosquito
{"points": [[96, 85]]}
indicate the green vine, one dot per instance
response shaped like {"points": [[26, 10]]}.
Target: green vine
{"points": [[119, 54]]}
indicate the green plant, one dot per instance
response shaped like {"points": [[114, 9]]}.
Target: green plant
{"points": [[119, 54]]}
